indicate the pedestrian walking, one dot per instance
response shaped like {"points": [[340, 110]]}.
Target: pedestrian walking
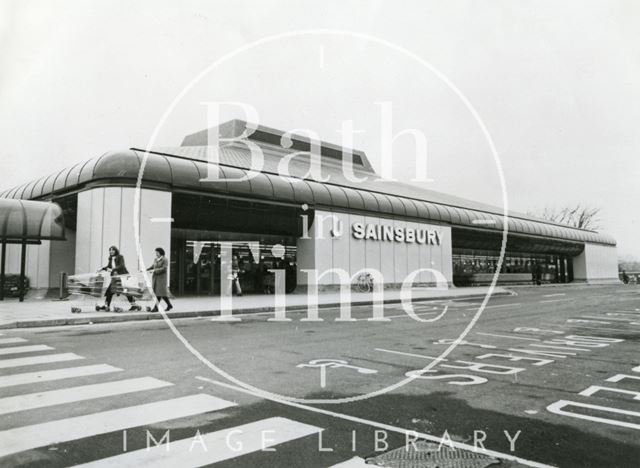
{"points": [[159, 280], [625, 277], [116, 267]]}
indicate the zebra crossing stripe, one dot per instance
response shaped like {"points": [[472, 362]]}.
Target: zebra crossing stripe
{"points": [[355, 462], [73, 394], [64, 430], [12, 340], [55, 374], [24, 349], [213, 447], [44, 359]]}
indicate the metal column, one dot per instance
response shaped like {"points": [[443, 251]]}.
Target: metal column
{"points": [[23, 256], [2, 265]]}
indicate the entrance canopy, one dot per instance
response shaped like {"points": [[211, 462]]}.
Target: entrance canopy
{"points": [[28, 221]]}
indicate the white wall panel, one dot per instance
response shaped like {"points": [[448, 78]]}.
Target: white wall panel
{"points": [[153, 204], [83, 234], [372, 248], [387, 263], [97, 254], [357, 253], [126, 234]]}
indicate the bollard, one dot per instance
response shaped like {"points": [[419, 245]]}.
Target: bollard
{"points": [[63, 285]]}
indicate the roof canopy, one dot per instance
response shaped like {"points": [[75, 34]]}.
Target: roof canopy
{"points": [[24, 220], [184, 168]]}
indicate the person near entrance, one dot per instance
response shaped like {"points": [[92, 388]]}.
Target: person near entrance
{"points": [[235, 275], [116, 267], [159, 280]]}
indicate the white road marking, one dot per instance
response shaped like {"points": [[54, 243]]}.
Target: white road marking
{"points": [[408, 316], [355, 462], [406, 354], [73, 394], [553, 295], [605, 318], [55, 374], [515, 304], [44, 359], [388, 427], [507, 336], [213, 447], [24, 349], [557, 300], [12, 340], [64, 430]]}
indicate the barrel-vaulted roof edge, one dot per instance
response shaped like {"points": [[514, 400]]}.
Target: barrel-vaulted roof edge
{"points": [[396, 199], [28, 220]]}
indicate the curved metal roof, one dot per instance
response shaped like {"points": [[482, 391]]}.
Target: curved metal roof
{"points": [[186, 167], [30, 220]]}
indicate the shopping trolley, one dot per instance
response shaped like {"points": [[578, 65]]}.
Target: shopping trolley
{"points": [[88, 288]]}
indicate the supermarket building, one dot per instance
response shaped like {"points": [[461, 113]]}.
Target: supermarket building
{"points": [[299, 223]]}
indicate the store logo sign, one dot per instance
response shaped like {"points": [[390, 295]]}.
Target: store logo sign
{"points": [[383, 232]]}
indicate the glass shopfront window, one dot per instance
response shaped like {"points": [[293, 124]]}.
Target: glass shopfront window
{"points": [[195, 262], [469, 265]]}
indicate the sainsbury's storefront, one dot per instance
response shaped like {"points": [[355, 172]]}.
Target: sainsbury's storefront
{"points": [[293, 223]]}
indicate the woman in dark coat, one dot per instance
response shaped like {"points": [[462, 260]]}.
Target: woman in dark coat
{"points": [[115, 265], [159, 279]]}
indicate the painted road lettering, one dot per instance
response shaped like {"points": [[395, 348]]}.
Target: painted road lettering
{"points": [[561, 407]]}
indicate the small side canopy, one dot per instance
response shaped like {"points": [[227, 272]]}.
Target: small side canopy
{"points": [[26, 220]]}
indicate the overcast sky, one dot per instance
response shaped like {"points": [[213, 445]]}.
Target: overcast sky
{"points": [[557, 85]]}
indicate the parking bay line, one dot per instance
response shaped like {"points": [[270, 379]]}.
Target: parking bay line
{"points": [[554, 295], [368, 422], [55, 374], [408, 354], [25, 438], [213, 447], [557, 300], [44, 359], [515, 304], [30, 401], [507, 336]]}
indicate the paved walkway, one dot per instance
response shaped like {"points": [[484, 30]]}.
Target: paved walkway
{"points": [[46, 312]]}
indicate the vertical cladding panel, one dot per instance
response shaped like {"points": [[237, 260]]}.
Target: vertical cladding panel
{"points": [[112, 219], [340, 243], [372, 248], [306, 258], [153, 204], [305, 253], [388, 259], [580, 266], [322, 225], [436, 254], [357, 250], [83, 234], [37, 265], [425, 262], [400, 262], [62, 257], [446, 251], [601, 262], [413, 251], [97, 254], [126, 235]]}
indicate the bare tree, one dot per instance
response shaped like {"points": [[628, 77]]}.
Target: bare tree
{"points": [[579, 216]]}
